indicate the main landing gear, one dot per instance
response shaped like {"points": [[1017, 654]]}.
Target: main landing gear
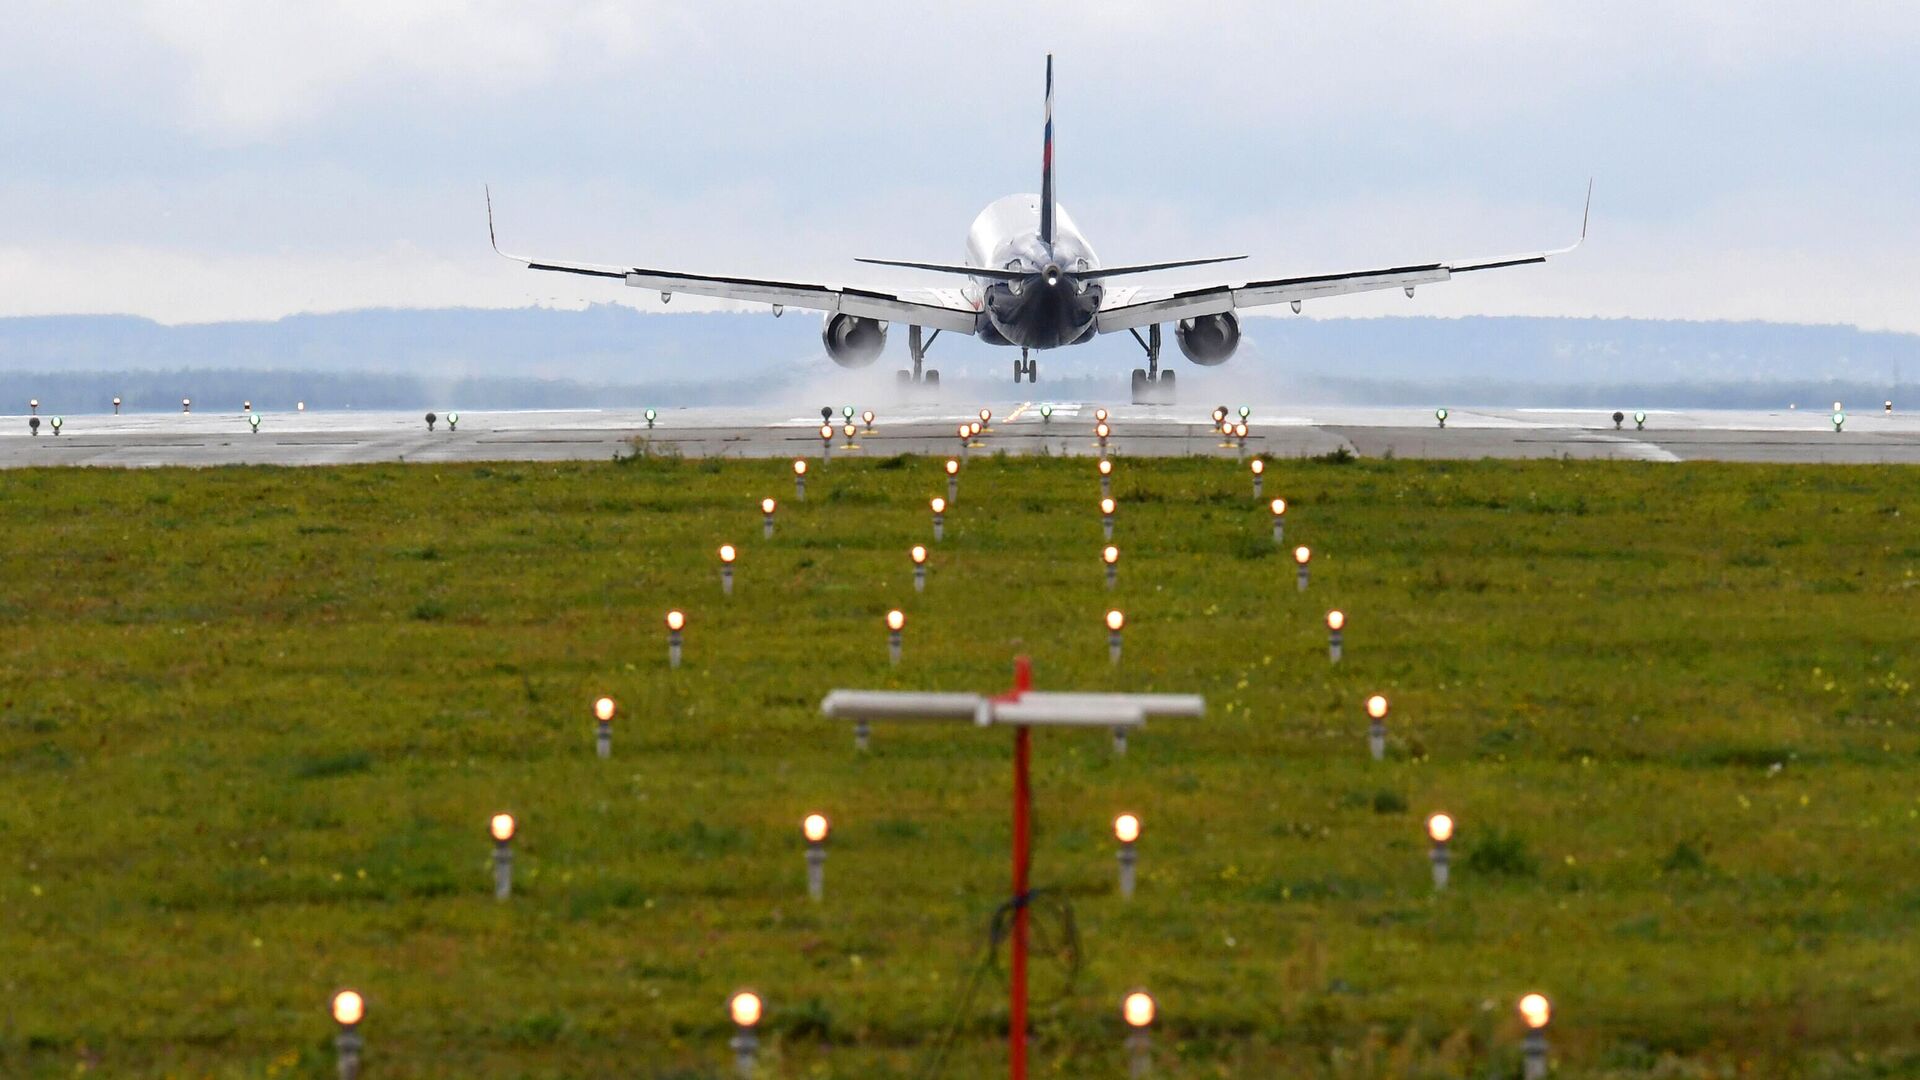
{"points": [[1151, 386], [928, 378], [1025, 368]]}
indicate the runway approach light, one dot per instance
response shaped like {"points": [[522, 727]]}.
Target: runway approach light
{"points": [[1440, 831], [1240, 433], [800, 479], [768, 506], [1889, 406], [246, 406], [186, 405], [866, 418], [1259, 468], [1138, 1010], [253, 421], [727, 555], [1301, 556], [1440, 415], [1126, 829], [1336, 627], [1219, 415], [1106, 477], [1099, 416], [1535, 1012], [1101, 431], [826, 442], [953, 480], [301, 406], [432, 419], [1106, 517], [502, 828], [919, 556], [349, 1008], [1279, 510], [1639, 420], [974, 428], [1046, 413], [815, 828], [1244, 413], [896, 621], [1115, 623], [57, 421], [453, 419], [1618, 418], [651, 417], [1111, 556], [33, 406], [939, 517], [1377, 726], [848, 431], [676, 621], [745, 1009], [116, 406], [603, 709], [33, 425], [1839, 420]]}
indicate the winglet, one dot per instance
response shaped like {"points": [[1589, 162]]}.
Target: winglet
{"points": [[491, 238], [1586, 213]]}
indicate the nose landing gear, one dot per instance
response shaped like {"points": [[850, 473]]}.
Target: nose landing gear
{"points": [[1025, 368], [1151, 386]]}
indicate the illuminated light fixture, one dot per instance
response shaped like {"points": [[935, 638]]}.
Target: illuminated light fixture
{"points": [[603, 709], [848, 431], [1245, 412], [348, 1009], [767, 507], [1336, 632], [1138, 1010], [116, 406], [1111, 556], [186, 404], [502, 827], [1258, 465], [918, 554], [799, 466], [1106, 467], [676, 621], [953, 467], [745, 1009], [453, 418], [800, 478], [1377, 726], [1639, 420], [1046, 413], [1106, 517], [727, 555], [253, 421], [651, 417], [985, 416], [1219, 414], [1115, 623], [815, 828], [896, 621], [1126, 828], [57, 421], [33, 405], [974, 428], [846, 411], [1440, 831], [1101, 431], [953, 480], [866, 417], [1839, 420], [1535, 1012], [1301, 556], [1100, 416], [1440, 415], [939, 517], [1240, 431]]}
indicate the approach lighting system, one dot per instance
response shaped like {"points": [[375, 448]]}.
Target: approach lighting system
{"points": [[918, 554], [744, 1007], [816, 827], [1440, 415], [1302, 555], [1100, 416], [676, 620], [1377, 707], [501, 826], [1126, 828], [349, 1008], [1336, 619], [603, 709], [1440, 828], [727, 553], [1116, 621], [953, 467], [1536, 1011]]}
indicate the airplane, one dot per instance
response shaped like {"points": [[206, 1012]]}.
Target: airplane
{"points": [[1033, 281]]}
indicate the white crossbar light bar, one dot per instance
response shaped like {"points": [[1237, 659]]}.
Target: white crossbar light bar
{"points": [[1149, 704], [1032, 710]]}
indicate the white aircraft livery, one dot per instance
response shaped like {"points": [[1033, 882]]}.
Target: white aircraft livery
{"points": [[1032, 280]]}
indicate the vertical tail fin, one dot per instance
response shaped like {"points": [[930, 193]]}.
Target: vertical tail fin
{"points": [[1046, 166]]}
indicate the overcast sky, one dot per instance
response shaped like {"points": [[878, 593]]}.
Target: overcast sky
{"points": [[195, 160]]}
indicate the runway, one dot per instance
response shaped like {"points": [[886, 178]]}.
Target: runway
{"points": [[1061, 428]]}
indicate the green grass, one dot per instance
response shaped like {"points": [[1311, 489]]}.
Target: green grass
{"points": [[253, 721]]}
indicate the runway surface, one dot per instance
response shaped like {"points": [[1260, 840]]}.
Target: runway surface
{"points": [[332, 438]]}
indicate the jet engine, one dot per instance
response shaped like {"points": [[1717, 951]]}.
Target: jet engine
{"points": [[1209, 339], [852, 340]]}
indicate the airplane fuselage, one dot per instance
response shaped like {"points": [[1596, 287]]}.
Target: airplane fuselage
{"points": [[1056, 307]]}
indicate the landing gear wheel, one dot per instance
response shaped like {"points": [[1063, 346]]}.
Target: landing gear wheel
{"points": [[1033, 371], [1019, 371], [931, 380], [903, 378], [1166, 394], [1139, 385]]}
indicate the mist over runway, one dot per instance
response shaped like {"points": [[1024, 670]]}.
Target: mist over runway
{"points": [[313, 437]]}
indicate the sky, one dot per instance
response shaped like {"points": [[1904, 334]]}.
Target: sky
{"points": [[205, 160]]}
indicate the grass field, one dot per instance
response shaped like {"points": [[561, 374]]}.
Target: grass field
{"points": [[255, 721]]}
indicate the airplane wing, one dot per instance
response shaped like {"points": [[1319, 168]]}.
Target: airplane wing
{"points": [[937, 309], [1128, 307]]}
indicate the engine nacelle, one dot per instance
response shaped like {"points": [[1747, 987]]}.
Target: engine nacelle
{"points": [[1209, 340], [852, 340]]}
